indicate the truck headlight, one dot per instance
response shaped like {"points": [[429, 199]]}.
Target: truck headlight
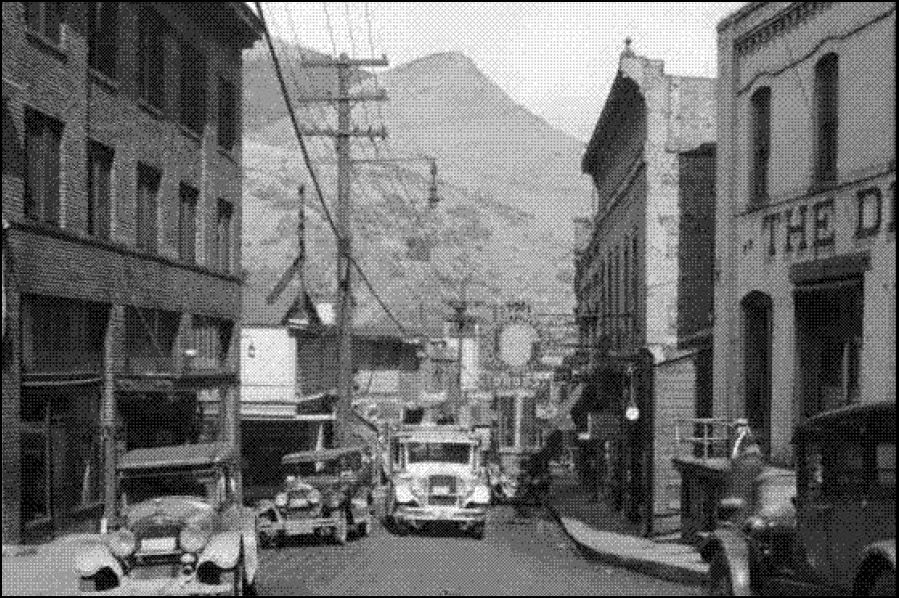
{"points": [[122, 544], [404, 494], [418, 487], [281, 500]]}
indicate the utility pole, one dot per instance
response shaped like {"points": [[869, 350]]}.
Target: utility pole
{"points": [[344, 133]]}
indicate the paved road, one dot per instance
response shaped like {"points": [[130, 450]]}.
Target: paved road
{"points": [[521, 555]]}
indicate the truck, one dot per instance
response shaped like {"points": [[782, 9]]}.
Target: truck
{"points": [[436, 475]]}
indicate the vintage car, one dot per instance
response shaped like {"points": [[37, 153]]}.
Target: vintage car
{"points": [[325, 491], [436, 476], [841, 539], [179, 527], [523, 476]]}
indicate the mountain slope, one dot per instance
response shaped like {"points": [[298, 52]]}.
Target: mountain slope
{"points": [[509, 187]]}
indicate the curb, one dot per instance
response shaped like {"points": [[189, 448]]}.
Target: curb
{"points": [[665, 571]]}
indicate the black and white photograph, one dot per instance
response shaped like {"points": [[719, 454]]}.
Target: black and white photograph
{"points": [[449, 299]]}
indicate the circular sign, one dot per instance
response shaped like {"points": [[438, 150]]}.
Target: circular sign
{"points": [[516, 344]]}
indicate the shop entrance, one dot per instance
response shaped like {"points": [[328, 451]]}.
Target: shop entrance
{"points": [[60, 459], [757, 355], [829, 319]]}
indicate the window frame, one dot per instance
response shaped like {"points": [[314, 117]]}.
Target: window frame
{"points": [[146, 226], [103, 38], [99, 218], [36, 20], [228, 114], [760, 146], [826, 116], [43, 195], [151, 42], [188, 197], [193, 95]]}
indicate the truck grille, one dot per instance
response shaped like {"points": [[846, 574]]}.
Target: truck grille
{"points": [[442, 501], [443, 481]]}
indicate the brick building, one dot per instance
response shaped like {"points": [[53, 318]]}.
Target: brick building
{"points": [[806, 243], [643, 282], [122, 191]]}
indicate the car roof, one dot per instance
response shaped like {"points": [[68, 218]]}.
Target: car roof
{"points": [[878, 418], [322, 455], [184, 455]]}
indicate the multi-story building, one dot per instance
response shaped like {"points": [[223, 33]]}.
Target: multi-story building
{"points": [[122, 191], [806, 245], [651, 159]]}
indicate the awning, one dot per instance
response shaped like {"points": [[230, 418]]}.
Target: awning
{"points": [[564, 420]]}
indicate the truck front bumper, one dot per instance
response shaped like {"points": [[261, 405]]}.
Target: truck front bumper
{"points": [[416, 515]]}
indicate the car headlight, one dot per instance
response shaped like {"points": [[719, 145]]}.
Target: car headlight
{"points": [[192, 540], [281, 500], [755, 524], [122, 544]]}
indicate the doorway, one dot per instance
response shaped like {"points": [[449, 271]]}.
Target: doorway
{"points": [[757, 310], [829, 318]]}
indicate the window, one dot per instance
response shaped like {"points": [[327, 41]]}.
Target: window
{"points": [[227, 122], [45, 18], [99, 177], [211, 340], [43, 136], [151, 59], [187, 224], [193, 88], [102, 45], [826, 119], [761, 144], [147, 197], [222, 246]]}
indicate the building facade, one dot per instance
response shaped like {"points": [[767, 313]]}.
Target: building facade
{"points": [[122, 191], [651, 160], [805, 291]]}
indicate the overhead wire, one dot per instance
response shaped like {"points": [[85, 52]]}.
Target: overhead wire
{"points": [[313, 175]]}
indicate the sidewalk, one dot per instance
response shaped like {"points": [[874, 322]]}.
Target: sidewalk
{"points": [[43, 570], [602, 533]]}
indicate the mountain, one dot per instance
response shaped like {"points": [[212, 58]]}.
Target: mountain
{"points": [[509, 185]]}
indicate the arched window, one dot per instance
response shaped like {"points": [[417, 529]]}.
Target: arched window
{"points": [[760, 123], [827, 87]]}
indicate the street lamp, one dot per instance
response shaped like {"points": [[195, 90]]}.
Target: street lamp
{"points": [[631, 412]]}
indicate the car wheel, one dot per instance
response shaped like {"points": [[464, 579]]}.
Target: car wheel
{"points": [[478, 531], [884, 585], [341, 530], [720, 583]]}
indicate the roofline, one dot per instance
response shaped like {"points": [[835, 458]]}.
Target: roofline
{"points": [[249, 18], [738, 15]]}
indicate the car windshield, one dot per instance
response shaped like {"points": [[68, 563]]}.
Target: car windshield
{"points": [[445, 452], [138, 487]]}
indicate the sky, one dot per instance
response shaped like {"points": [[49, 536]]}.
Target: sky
{"points": [[556, 59]]}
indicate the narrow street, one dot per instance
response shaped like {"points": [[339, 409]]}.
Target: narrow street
{"points": [[521, 555]]}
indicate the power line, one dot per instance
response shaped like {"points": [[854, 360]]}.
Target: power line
{"points": [[316, 185]]}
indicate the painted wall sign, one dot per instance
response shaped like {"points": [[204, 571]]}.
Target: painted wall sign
{"points": [[799, 227]]}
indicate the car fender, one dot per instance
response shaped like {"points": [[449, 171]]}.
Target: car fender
{"points": [[732, 543], [223, 550], [94, 558], [874, 556]]}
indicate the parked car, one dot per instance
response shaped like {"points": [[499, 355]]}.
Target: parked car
{"points": [[179, 528], [436, 476], [842, 538], [327, 491]]}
